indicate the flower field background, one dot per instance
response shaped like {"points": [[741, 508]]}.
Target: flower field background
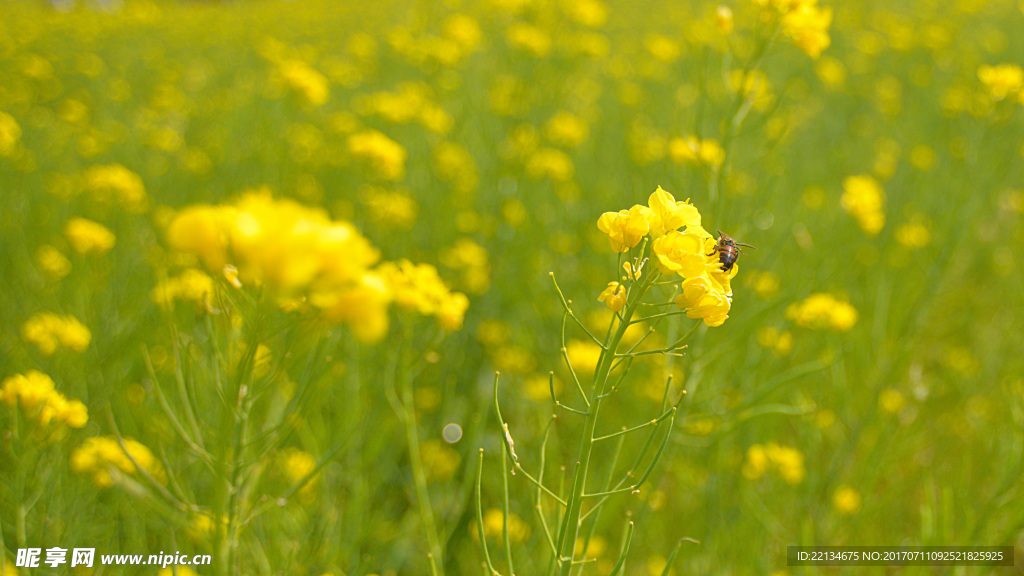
{"points": [[262, 260]]}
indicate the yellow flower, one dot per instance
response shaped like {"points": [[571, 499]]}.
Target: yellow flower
{"points": [[201, 230], [52, 262], [419, 287], [88, 237], [116, 184], [685, 253], [440, 460], [494, 526], [550, 163], [295, 466], [583, 355], [614, 296], [1002, 80], [668, 214], [10, 134], [864, 199], [785, 461], [384, 156], [46, 331], [822, 310], [807, 26], [306, 81], [190, 286], [391, 209], [702, 299], [691, 150], [529, 38], [625, 228], [566, 129], [914, 234], [846, 500], [723, 19], [103, 460], [891, 401]]}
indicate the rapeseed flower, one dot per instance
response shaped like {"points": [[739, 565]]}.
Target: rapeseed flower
{"points": [[864, 199], [706, 291], [35, 394], [52, 262], [115, 184], [1003, 80], [87, 237], [10, 135], [48, 331], [823, 311], [614, 296], [385, 157], [104, 461]]}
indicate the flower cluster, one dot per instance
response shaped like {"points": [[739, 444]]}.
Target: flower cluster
{"points": [[384, 156], [785, 461], [115, 184], [34, 393], [1003, 81], [706, 292], [803, 22], [418, 287], [689, 252], [864, 199], [10, 134], [822, 310], [103, 460], [87, 237], [48, 331], [190, 286], [306, 260]]}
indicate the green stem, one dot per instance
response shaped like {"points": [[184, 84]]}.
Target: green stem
{"points": [[571, 523], [419, 475]]}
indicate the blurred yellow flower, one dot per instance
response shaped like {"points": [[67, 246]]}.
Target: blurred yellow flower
{"points": [[115, 184], [440, 460], [724, 19], [34, 393], [1002, 80], [103, 460], [87, 237], [189, 286], [10, 134], [550, 163], [566, 129], [822, 310], [307, 82], [914, 233], [390, 208], [47, 331], [52, 262], [785, 461], [494, 526], [846, 500], [383, 155], [529, 38], [891, 400], [583, 355], [864, 199], [692, 150], [419, 287]]}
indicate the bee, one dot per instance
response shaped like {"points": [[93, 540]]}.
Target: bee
{"points": [[728, 250]]}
